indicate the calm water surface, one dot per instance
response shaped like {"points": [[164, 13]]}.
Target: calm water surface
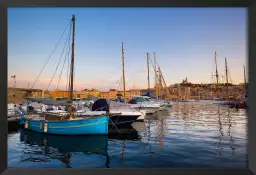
{"points": [[194, 134]]}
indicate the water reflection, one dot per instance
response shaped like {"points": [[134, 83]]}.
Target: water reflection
{"points": [[95, 144], [199, 129], [39, 147], [196, 134], [61, 147]]}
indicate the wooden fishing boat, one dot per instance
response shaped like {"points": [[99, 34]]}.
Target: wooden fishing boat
{"points": [[67, 123]]}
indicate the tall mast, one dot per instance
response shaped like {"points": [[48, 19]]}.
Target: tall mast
{"points": [[226, 65], [155, 75], [148, 71], [72, 62], [162, 78], [217, 75], [159, 80], [123, 69]]}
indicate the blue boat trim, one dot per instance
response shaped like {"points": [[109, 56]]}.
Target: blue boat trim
{"points": [[88, 126], [63, 127], [67, 120]]}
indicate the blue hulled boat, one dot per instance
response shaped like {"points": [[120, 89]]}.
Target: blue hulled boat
{"points": [[78, 126], [67, 123]]}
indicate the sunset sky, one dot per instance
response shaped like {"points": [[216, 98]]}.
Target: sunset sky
{"points": [[184, 40]]}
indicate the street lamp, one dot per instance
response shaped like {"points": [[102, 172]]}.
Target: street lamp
{"points": [[14, 85]]}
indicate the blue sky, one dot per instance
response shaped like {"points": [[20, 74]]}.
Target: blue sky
{"points": [[184, 40]]}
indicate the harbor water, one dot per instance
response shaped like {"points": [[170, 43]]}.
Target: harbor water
{"points": [[189, 135]]}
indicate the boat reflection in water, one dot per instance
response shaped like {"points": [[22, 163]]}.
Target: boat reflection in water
{"points": [[125, 133], [44, 148], [97, 144]]}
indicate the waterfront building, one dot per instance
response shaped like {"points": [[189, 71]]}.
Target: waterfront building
{"points": [[104, 95], [112, 93]]}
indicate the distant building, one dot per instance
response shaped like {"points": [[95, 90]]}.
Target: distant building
{"points": [[112, 93], [56, 93], [127, 94], [135, 92], [94, 92], [185, 82], [104, 95]]}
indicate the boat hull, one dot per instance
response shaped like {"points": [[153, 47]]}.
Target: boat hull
{"points": [[122, 120], [239, 106], [149, 110], [117, 117], [83, 126]]}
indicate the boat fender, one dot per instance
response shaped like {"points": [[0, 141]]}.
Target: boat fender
{"points": [[41, 125], [26, 124], [45, 127]]}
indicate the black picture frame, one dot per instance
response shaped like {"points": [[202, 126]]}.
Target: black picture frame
{"points": [[129, 3]]}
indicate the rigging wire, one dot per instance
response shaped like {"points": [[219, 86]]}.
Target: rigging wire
{"points": [[120, 82], [67, 53], [133, 79], [114, 73], [111, 75], [58, 63], [55, 47], [152, 64], [229, 76]]}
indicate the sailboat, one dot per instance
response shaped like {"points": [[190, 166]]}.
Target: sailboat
{"points": [[145, 102], [120, 114], [67, 123], [243, 103], [226, 101]]}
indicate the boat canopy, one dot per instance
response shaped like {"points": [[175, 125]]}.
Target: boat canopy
{"points": [[101, 105], [147, 94]]}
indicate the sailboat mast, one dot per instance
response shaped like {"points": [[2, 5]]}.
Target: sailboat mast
{"points": [[226, 65], [72, 62], [159, 81], [167, 89], [123, 69], [217, 75], [148, 71], [155, 75]]}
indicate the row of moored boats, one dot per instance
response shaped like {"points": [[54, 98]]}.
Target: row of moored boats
{"points": [[88, 116]]}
